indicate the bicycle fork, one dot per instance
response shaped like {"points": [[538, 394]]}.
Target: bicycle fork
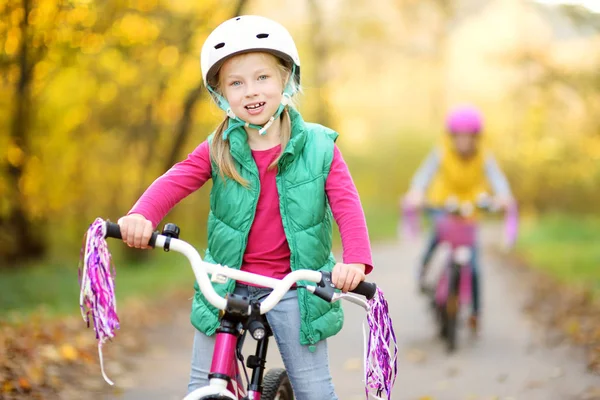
{"points": [[224, 371]]}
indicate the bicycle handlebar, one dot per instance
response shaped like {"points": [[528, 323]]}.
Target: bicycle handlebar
{"points": [[220, 273]]}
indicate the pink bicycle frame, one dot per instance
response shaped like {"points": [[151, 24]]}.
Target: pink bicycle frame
{"points": [[224, 362], [457, 232]]}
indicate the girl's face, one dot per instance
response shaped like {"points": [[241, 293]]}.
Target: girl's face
{"points": [[253, 85], [465, 144]]}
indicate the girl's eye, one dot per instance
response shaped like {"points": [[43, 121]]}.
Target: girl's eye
{"points": [[263, 77], [235, 83]]}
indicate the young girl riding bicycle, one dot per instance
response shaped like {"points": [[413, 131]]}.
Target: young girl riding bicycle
{"points": [[461, 169], [278, 182]]}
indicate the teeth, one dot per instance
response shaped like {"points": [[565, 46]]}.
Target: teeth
{"points": [[253, 106]]}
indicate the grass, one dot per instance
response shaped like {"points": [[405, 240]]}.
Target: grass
{"points": [[53, 289], [566, 247], [382, 222]]}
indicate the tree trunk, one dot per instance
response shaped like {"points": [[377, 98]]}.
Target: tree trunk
{"points": [[21, 237]]}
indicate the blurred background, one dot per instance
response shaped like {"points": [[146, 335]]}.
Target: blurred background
{"points": [[98, 98]]}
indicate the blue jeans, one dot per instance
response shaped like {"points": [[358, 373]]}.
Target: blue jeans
{"points": [[435, 215], [308, 371]]}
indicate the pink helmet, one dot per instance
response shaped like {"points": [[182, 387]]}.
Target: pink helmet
{"points": [[465, 119]]}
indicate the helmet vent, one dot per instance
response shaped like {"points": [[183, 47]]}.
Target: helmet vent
{"points": [[219, 45], [262, 35]]}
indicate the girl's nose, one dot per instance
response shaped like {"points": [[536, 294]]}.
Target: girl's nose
{"points": [[251, 90]]}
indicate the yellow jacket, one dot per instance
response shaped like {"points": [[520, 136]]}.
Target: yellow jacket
{"points": [[446, 174]]}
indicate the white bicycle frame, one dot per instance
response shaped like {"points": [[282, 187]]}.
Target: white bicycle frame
{"points": [[220, 274]]}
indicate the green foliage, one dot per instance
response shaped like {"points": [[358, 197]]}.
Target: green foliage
{"points": [[564, 246], [54, 290]]}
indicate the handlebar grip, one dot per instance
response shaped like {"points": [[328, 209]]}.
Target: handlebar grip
{"points": [[113, 230], [366, 289]]}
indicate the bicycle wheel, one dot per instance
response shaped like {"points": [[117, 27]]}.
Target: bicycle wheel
{"points": [[442, 320], [451, 311], [277, 386]]}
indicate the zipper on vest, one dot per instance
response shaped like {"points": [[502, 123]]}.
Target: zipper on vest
{"points": [[293, 252], [255, 173]]}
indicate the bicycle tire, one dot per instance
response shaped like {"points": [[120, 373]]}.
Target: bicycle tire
{"points": [[452, 307], [451, 323], [277, 386], [442, 320]]}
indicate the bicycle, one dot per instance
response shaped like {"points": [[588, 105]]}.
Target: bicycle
{"points": [[457, 227], [240, 316]]}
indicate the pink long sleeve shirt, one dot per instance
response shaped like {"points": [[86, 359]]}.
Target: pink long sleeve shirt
{"points": [[267, 252]]}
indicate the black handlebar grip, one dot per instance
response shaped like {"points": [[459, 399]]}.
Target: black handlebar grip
{"points": [[114, 231], [366, 289]]}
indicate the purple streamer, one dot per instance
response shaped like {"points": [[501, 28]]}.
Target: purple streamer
{"points": [[96, 280], [381, 359]]}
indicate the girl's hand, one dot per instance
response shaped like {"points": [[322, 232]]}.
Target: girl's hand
{"points": [[413, 199], [136, 230], [347, 276], [503, 202]]}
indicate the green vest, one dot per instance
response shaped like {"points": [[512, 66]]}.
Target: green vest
{"points": [[305, 213]]}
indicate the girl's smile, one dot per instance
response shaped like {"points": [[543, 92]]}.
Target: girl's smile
{"points": [[255, 108]]}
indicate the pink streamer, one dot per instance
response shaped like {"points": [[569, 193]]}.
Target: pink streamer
{"points": [[511, 224], [97, 296], [411, 226], [381, 359]]}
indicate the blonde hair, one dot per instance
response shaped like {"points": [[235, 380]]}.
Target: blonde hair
{"points": [[220, 149]]}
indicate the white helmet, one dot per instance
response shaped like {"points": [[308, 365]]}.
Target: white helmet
{"points": [[244, 34]]}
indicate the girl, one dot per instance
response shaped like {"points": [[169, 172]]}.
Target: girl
{"points": [[461, 170], [277, 182]]}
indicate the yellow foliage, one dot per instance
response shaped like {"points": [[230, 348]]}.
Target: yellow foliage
{"points": [[145, 5], [107, 92], [7, 387], [135, 29], [24, 384], [110, 60], [15, 156], [41, 70], [36, 17], [78, 15], [13, 40], [127, 74], [168, 56], [92, 43], [68, 352], [16, 16], [182, 6]]}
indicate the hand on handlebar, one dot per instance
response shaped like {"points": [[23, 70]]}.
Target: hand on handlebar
{"points": [[414, 199], [347, 276], [503, 202], [136, 230]]}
